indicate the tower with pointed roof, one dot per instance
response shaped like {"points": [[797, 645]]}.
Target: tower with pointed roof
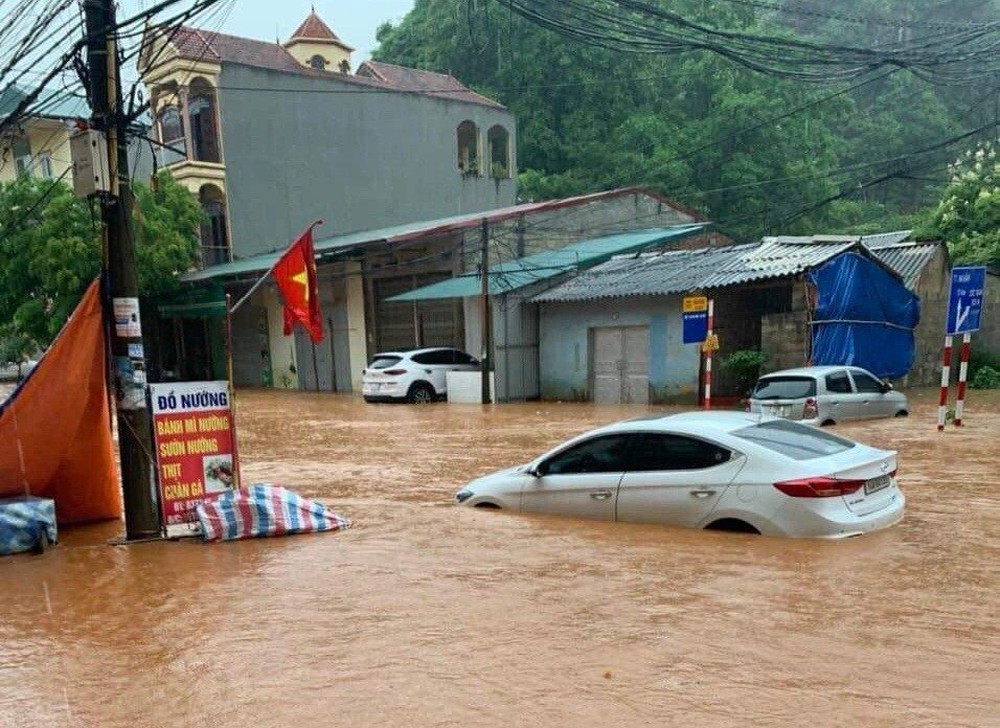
{"points": [[314, 45]]}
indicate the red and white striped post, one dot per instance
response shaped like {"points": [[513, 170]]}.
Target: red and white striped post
{"points": [[945, 379], [963, 371], [708, 355]]}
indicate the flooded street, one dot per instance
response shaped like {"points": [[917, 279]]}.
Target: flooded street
{"points": [[425, 614]]}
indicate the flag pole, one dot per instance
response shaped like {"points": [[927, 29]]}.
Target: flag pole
{"points": [[315, 368], [232, 392], [260, 281]]}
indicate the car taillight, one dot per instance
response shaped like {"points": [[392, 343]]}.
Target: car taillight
{"points": [[394, 372], [810, 411], [818, 487]]}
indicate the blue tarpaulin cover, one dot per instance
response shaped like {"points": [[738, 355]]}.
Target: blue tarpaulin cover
{"points": [[26, 523], [864, 317]]}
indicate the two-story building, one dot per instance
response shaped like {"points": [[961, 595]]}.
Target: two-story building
{"points": [[272, 137]]}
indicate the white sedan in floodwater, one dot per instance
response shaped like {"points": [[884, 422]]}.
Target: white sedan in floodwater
{"points": [[720, 470]]}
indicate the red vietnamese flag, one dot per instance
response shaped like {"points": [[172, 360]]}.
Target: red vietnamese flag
{"points": [[295, 273]]}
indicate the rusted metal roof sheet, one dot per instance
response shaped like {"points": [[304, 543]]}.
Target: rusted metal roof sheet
{"points": [[420, 229]]}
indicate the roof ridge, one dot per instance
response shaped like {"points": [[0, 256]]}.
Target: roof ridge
{"points": [[412, 68], [208, 44], [311, 20]]}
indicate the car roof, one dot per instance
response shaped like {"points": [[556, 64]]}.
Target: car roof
{"points": [[807, 371], [696, 421], [411, 352]]}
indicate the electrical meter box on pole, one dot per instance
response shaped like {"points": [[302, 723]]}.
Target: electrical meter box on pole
{"points": [[91, 173]]}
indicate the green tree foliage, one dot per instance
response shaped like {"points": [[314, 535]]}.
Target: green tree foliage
{"points": [[968, 216], [50, 250], [757, 154]]}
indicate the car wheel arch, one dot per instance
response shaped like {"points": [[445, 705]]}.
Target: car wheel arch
{"points": [[421, 384], [732, 525]]}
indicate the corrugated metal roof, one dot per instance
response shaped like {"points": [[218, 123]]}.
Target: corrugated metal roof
{"points": [[680, 271], [411, 231], [515, 274], [65, 104], [907, 259], [882, 239]]}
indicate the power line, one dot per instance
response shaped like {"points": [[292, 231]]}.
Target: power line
{"points": [[637, 27], [798, 9]]}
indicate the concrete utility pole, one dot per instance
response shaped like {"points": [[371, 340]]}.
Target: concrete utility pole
{"points": [[484, 304], [128, 364]]}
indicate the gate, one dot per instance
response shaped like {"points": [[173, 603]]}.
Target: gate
{"points": [[620, 365]]}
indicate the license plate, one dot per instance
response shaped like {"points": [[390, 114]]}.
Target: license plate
{"points": [[779, 410], [876, 484], [373, 388]]}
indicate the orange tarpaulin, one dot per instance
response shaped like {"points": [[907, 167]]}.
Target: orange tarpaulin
{"points": [[55, 435]]}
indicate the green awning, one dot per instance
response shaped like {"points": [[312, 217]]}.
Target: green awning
{"points": [[198, 302], [514, 274]]}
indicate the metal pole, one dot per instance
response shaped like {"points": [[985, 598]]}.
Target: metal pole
{"points": [[232, 391], [484, 304], [708, 355], [945, 379], [963, 371], [128, 365], [253, 288], [315, 368]]}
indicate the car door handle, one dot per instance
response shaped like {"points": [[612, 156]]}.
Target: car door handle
{"points": [[703, 492], [600, 494]]}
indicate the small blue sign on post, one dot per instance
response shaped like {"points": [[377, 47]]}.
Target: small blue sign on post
{"points": [[695, 318], [965, 300]]}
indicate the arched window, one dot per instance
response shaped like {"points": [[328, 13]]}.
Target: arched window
{"points": [[201, 112], [468, 148], [318, 62], [499, 143], [171, 127], [214, 233]]}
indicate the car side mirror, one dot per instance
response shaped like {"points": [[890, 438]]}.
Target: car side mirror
{"points": [[537, 471], [886, 387]]}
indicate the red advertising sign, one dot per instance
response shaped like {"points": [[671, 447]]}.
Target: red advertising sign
{"points": [[193, 436]]}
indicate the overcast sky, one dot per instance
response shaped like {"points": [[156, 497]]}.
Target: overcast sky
{"points": [[354, 21]]}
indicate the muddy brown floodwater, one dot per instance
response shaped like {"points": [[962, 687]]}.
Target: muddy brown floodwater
{"points": [[425, 614]]}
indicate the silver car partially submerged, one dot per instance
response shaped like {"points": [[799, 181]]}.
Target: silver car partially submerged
{"points": [[826, 395]]}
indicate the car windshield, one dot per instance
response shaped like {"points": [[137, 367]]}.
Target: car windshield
{"points": [[784, 388], [795, 441], [384, 362]]}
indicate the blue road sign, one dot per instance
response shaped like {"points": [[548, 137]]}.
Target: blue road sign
{"points": [[965, 301], [694, 314], [695, 327]]}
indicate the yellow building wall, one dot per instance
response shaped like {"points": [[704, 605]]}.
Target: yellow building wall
{"points": [[44, 137], [8, 170], [303, 50]]}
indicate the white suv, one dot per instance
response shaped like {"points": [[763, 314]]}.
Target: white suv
{"points": [[414, 376]]}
